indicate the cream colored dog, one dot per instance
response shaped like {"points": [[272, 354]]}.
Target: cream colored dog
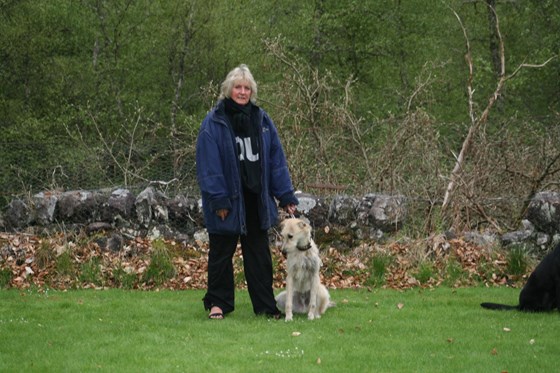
{"points": [[304, 292]]}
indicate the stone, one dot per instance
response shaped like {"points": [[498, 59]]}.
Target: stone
{"points": [[18, 214], [544, 212]]}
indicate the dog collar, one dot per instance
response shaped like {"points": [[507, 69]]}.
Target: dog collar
{"points": [[305, 248]]}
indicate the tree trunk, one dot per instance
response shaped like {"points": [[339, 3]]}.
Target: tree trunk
{"points": [[494, 37]]}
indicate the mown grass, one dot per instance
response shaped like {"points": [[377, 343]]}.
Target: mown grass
{"points": [[441, 330]]}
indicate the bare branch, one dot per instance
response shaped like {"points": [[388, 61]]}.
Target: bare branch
{"points": [[467, 142], [530, 65], [310, 90], [125, 169], [420, 87], [476, 123]]}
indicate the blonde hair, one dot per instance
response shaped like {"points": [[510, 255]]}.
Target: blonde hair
{"points": [[240, 73]]}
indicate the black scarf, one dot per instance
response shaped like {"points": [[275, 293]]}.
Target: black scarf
{"points": [[239, 115], [246, 128]]}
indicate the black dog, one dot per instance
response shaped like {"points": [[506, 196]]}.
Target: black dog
{"points": [[541, 293]]}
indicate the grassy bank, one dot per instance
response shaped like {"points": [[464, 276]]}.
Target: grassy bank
{"points": [[439, 330]]}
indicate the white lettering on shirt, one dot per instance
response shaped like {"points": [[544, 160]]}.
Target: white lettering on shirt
{"points": [[246, 150]]}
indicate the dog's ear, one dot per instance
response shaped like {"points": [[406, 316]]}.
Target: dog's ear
{"points": [[302, 224]]}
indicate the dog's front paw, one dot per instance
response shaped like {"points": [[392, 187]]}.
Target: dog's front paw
{"points": [[289, 316], [310, 316]]}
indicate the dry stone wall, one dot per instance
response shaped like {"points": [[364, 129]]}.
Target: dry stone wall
{"points": [[124, 215]]}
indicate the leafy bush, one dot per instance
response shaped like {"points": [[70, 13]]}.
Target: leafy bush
{"points": [[44, 255], [239, 275], [90, 271], [454, 273], [425, 272], [123, 279], [517, 260], [378, 268], [161, 265], [5, 277], [65, 265]]}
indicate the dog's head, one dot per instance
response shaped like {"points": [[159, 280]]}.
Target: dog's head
{"points": [[296, 235]]}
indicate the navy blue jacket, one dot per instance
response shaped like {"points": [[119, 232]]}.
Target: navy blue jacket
{"points": [[219, 179]]}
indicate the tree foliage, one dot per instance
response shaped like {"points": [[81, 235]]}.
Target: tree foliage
{"points": [[97, 92]]}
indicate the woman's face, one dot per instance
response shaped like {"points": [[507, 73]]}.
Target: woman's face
{"points": [[241, 92]]}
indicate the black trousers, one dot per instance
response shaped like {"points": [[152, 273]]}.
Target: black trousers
{"points": [[257, 265]]}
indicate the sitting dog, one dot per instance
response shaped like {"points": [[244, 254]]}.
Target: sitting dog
{"points": [[304, 292], [541, 293]]}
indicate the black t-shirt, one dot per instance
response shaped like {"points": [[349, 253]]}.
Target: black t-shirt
{"points": [[244, 121]]}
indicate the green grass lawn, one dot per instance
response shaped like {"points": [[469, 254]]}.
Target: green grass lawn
{"points": [[441, 330]]}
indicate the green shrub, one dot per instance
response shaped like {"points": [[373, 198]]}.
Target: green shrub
{"points": [[161, 265], [44, 255], [123, 279], [65, 265], [378, 268], [5, 277], [485, 269], [425, 272], [90, 272], [517, 260], [453, 273], [239, 271]]}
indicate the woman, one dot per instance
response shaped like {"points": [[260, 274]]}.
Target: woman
{"points": [[241, 168]]}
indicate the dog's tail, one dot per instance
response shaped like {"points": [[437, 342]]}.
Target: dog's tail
{"points": [[497, 306]]}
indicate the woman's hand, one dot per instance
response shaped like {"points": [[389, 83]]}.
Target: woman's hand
{"points": [[290, 209], [222, 213]]}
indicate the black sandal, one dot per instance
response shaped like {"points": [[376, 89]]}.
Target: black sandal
{"points": [[216, 316], [219, 315]]}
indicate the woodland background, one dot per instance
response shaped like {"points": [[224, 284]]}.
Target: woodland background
{"points": [[454, 104]]}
